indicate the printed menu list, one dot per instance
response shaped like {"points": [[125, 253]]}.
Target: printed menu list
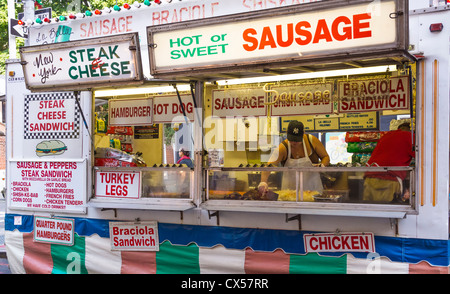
{"points": [[52, 186]]}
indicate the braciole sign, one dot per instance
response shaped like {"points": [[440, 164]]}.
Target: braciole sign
{"points": [[81, 63]]}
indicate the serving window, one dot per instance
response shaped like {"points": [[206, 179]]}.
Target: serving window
{"points": [[347, 114], [143, 151]]}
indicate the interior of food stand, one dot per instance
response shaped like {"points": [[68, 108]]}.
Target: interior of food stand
{"points": [[244, 141]]}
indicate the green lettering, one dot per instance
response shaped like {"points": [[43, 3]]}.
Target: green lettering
{"points": [[72, 76], [90, 53], [93, 71], [188, 53], [103, 70], [223, 47], [113, 52], [175, 54], [115, 70], [172, 42], [81, 54], [73, 56], [81, 72], [124, 67], [103, 53], [201, 51], [212, 49]]}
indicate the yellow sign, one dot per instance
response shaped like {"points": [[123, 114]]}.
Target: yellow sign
{"points": [[345, 122]]}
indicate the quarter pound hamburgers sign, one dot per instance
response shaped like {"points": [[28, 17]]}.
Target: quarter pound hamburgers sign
{"points": [[80, 65], [308, 31]]}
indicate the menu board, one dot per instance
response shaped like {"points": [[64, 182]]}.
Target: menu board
{"points": [[56, 186], [342, 123]]}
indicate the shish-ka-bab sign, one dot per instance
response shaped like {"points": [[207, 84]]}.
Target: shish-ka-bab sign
{"points": [[82, 64]]}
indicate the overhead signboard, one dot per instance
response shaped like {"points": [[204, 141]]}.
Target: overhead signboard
{"points": [[302, 99], [85, 64], [307, 32], [130, 112], [374, 94]]}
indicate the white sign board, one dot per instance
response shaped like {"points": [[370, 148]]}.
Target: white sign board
{"points": [[302, 99], [239, 102], [118, 184], [342, 242], [374, 94], [52, 125], [130, 112], [48, 186], [134, 20], [167, 109], [296, 36], [82, 64], [130, 236], [53, 230]]}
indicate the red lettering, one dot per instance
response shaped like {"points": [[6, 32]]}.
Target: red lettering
{"points": [[252, 40], [342, 28], [322, 32], [333, 242], [345, 244], [313, 247], [347, 31], [307, 36], [354, 240], [290, 35], [267, 39], [359, 25]]}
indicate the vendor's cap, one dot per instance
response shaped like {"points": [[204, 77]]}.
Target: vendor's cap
{"points": [[295, 131]]}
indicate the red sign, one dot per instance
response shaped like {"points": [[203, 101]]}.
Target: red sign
{"points": [[342, 242]]}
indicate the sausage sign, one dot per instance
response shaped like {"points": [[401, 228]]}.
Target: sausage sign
{"points": [[293, 35]]}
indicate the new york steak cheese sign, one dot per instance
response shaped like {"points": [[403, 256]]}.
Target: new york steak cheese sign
{"points": [[78, 64], [275, 38]]}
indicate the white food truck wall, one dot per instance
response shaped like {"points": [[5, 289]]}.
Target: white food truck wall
{"points": [[432, 221], [433, 123]]}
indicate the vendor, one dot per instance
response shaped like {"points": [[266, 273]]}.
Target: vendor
{"points": [[184, 158], [394, 149], [292, 153]]}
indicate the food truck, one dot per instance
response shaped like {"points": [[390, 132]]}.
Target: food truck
{"points": [[100, 103]]}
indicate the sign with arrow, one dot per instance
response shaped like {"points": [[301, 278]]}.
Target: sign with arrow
{"points": [[17, 29]]}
